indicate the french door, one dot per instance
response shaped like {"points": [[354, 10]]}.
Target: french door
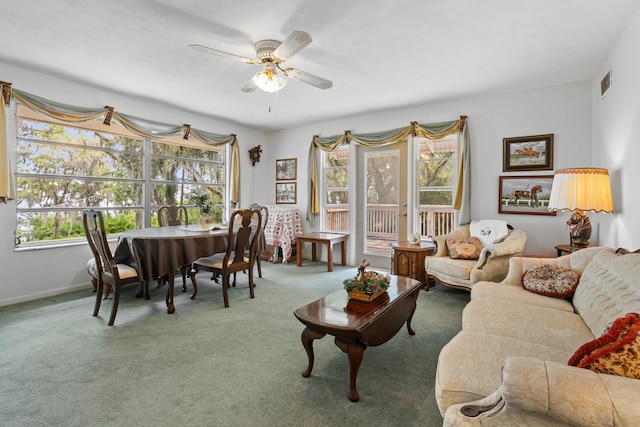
{"points": [[383, 205]]}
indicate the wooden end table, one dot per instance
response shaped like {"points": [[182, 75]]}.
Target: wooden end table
{"points": [[408, 259], [568, 249], [328, 239], [356, 325]]}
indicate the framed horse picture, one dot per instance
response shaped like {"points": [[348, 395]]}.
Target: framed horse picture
{"points": [[526, 194], [528, 153]]}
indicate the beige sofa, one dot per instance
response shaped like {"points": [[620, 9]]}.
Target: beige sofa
{"points": [[508, 364]]}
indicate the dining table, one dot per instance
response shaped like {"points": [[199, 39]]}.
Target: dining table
{"points": [[159, 251]]}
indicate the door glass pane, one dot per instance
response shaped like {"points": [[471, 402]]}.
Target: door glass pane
{"points": [[382, 201], [336, 190]]}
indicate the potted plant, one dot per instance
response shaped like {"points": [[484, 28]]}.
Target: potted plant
{"points": [[203, 202], [367, 285]]}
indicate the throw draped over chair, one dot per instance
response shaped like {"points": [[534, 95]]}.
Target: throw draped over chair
{"points": [[237, 257], [116, 275], [170, 216], [491, 264]]}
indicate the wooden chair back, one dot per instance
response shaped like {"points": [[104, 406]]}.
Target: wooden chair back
{"points": [[246, 224], [172, 215], [97, 237]]}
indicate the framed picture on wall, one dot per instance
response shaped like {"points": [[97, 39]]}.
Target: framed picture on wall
{"points": [[286, 169], [527, 153], [525, 194], [286, 192]]}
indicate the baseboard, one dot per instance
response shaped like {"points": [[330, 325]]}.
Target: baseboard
{"points": [[45, 294]]}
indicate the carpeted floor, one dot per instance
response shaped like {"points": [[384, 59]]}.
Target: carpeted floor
{"points": [[206, 365]]}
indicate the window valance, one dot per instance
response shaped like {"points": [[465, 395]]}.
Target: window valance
{"points": [[140, 127], [429, 130]]}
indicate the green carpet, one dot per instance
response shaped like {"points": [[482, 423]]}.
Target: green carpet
{"points": [[206, 365]]}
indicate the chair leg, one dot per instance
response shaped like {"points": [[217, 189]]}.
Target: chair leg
{"points": [[251, 282], [234, 280], [225, 289], [193, 282], [259, 265], [184, 270], [114, 308], [99, 290]]}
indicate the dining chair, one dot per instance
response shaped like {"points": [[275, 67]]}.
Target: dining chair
{"points": [[235, 259], [116, 275], [262, 243], [170, 216]]}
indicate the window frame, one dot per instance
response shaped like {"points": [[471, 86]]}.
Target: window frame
{"points": [[146, 180]]}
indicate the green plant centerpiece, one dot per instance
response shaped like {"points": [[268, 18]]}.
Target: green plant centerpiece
{"points": [[204, 203], [367, 285]]}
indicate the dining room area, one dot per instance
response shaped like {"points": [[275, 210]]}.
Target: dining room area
{"points": [[223, 253]]}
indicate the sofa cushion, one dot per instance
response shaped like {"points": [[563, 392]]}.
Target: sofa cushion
{"points": [[489, 230], [559, 329], [609, 288], [550, 280], [614, 353], [508, 292], [456, 269], [469, 248]]}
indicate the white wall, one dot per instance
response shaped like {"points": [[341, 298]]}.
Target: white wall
{"points": [[564, 111], [36, 273], [616, 139]]}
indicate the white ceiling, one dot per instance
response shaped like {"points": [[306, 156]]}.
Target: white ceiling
{"points": [[380, 54]]}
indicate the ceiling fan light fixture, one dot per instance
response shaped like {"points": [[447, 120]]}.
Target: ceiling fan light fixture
{"points": [[269, 80]]}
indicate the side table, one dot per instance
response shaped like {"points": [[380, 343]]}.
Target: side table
{"points": [[408, 259], [324, 239], [567, 249]]}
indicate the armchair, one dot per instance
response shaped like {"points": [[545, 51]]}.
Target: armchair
{"points": [[492, 264]]}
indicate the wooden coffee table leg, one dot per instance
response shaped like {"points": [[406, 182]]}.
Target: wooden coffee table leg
{"points": [[308, 335], [329, 257], [355, 352], [299, 253], [409, 329]]}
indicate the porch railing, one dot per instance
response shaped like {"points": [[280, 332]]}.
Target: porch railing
{"points": [[382, 220]]}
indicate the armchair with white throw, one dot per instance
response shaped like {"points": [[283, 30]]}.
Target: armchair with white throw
{"points": [[474, 252]]}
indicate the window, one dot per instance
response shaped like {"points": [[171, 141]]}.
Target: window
{"points": [[179, 171], [64, 168], [335, 174], [436, 167]]}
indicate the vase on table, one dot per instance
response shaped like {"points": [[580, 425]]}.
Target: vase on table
{"points": [[206, 220]]}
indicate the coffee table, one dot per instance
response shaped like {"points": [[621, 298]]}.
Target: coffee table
{"points": [[357, 325]]}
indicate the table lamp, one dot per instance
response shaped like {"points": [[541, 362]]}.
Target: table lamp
{"points": [[581, 190]]}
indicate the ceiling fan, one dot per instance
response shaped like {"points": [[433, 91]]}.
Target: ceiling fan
{"points": [[272, 54]]}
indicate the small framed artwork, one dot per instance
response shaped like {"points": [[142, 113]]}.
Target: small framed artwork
{"points": [[286, 169], [285, 192], [527, 153], [605, 84], [525, 195]]}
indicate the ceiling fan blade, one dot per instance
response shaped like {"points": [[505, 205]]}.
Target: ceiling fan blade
{"points": [[249, 87], [294, 42], [309, 78], [222, 53]]}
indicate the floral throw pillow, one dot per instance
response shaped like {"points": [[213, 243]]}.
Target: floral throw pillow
{"points": [[469, 248], [551, 280], [614, 353]]}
